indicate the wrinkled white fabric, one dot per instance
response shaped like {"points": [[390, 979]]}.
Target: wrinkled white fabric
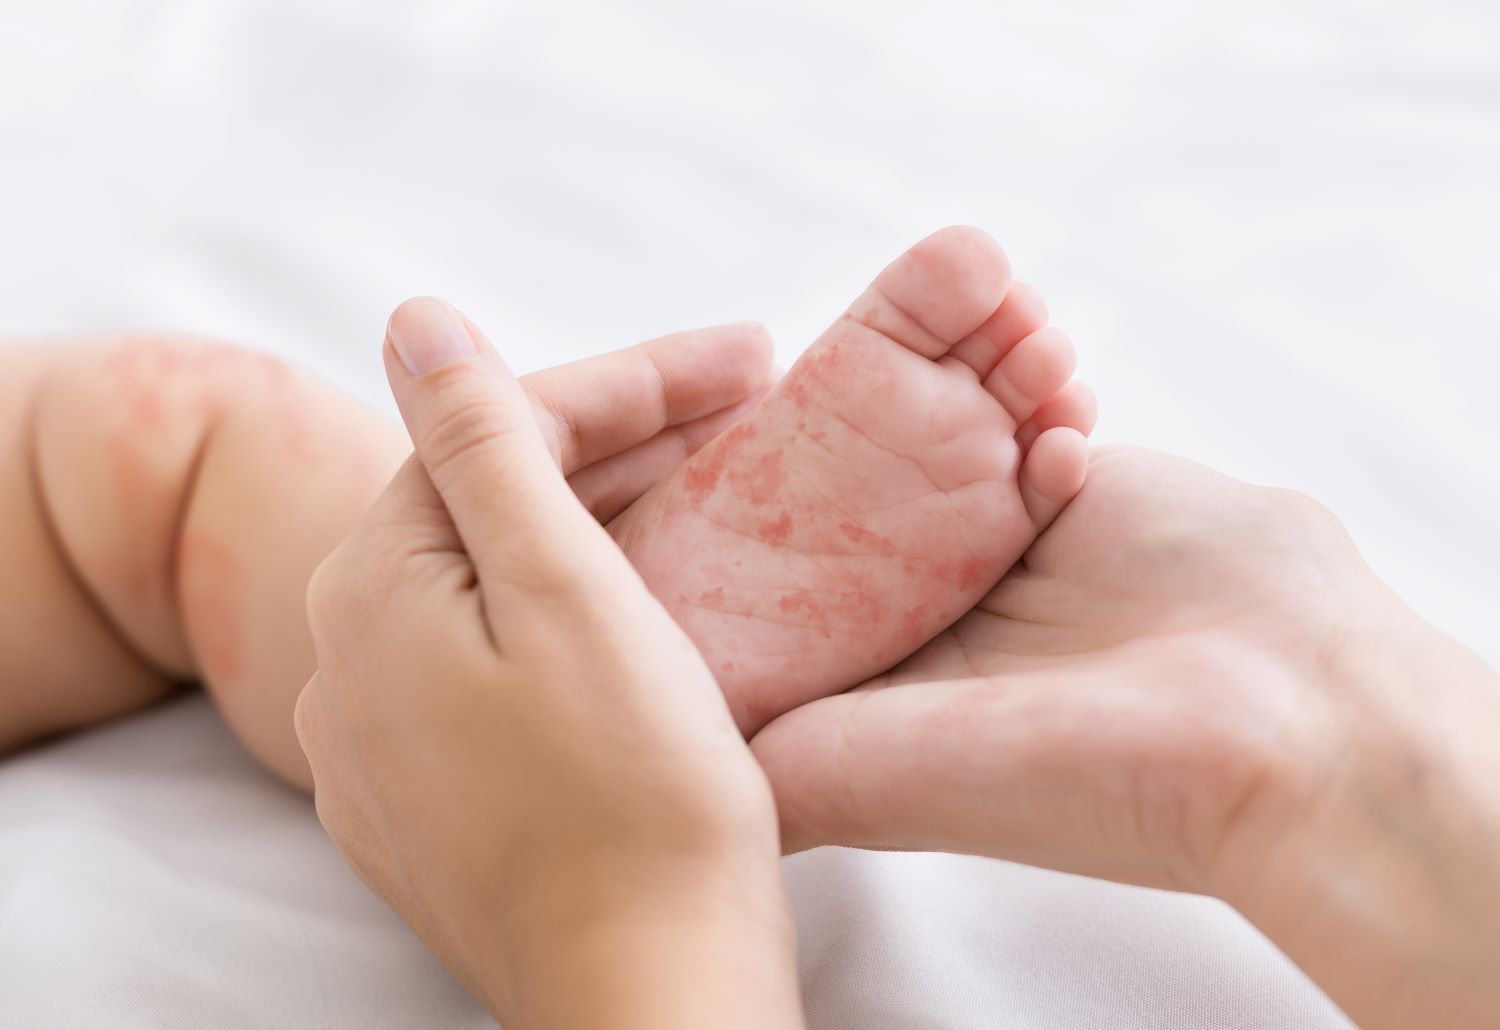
{"points": [[1272, 230]]}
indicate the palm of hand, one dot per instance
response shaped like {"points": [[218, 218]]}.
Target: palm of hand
{"points": [[1113, 707]]}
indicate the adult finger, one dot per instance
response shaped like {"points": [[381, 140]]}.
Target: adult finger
{"points": [[1032, 768], [600, 406]]}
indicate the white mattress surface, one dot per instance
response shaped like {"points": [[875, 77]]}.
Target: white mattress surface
{"points": [[1272, 230]]}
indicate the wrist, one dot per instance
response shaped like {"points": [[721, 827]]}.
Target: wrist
{"points": [[1383, 882], [660, 944]]}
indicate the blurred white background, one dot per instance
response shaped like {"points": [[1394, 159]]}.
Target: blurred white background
{"points": [[1272, 230]]}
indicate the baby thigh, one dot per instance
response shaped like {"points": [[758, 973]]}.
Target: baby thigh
{"points": [[191, 489], [286, 474], [63, 664]]}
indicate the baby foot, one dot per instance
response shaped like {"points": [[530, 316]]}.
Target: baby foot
{"points": [[880, 490]]}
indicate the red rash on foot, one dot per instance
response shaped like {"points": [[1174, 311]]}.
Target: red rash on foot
{"points": [[856, 609], [960, 575], [966, 575], [702, 475], [776, 531], [811, 369], [760, 482], [862, 537], [796, 392], [806, 604]]}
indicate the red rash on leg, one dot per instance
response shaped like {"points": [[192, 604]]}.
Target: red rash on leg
{"points": [[170, 383], [211, 586], [133, 480]]}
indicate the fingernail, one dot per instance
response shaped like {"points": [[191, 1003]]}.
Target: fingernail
{"points": [[428, 334]]}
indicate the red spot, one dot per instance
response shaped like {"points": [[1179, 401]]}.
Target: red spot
{"points": [[711, 598], [795, 386], [965, 575], [856, 610], [914, 621], [867, 608], [970, 573], [776, 530], [760, 481], [862, 537], [699, 480], [702, 473], [728, 667], [809, 608]]}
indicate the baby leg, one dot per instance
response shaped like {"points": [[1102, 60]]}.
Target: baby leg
{"points": [[62, 663], [187, 490]]}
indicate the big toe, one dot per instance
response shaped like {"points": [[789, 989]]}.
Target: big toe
{"points": [[938, 292]]}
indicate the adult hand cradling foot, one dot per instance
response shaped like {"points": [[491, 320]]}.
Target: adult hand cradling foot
{"points": [[1187, 682], [514, 744]]}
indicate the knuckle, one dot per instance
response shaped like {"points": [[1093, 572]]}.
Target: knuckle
{"points": [[466, 424]]}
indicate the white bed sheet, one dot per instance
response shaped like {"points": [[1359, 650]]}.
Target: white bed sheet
{"points": [[1273, 233]]}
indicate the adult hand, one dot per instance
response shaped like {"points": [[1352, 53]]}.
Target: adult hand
{"points": [[517, 748], [1194, 683]]}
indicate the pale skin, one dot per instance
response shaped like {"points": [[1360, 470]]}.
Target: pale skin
{"points": [[1190, 682]]}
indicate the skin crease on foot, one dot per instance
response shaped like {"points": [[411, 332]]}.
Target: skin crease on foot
{"points": [[882, 487]]}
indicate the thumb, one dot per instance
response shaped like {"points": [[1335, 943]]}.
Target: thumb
{"points": [[476, 435], [871, 768], [1014, 767]]}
